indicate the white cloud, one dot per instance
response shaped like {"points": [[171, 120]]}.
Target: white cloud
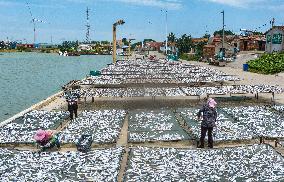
{"points": [[164, 4], [237, 3], [269, 4]]}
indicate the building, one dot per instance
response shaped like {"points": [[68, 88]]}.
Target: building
{"points": [[275, 39], [251, 43], [171, 49], [25, 46], [211, 50], [154, 46], [47, 46], [84, 47]]}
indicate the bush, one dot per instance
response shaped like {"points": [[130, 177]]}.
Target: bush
{"points": [[268, 64], [188, 57]]}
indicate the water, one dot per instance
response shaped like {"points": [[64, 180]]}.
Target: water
{"points": [[27, 78]]}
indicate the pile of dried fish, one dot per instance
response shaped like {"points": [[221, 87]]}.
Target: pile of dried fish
{"points": [[248, 163], [178, 91], [103, 125], [257, 121], [159, 125], [145, 71], [96, 165], [22, 129], [279, 108], [231, 89]]}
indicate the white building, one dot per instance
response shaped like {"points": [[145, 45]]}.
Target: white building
{"points": [[275, 39], [84, 47]]}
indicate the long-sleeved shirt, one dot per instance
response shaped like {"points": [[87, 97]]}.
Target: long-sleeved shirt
{"points": [[209, 116]]}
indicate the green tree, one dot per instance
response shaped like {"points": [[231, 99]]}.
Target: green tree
{"points": [[172, 37], [69, 46], [226, 32], [257, 33], [125, 41], [184, 43], [148, 40], [136, 44], [207, 36], [105, 42]]}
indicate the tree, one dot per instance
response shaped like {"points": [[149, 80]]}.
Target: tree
{"points": [[172, 37], [207, 36], [133, 46], [226, 32], [148, 40], [69, 45], [105, 42], [125, 41], [257, 33], [184, 43]]}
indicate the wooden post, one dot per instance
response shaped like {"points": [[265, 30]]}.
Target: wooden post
{"points": [[114, 44]]}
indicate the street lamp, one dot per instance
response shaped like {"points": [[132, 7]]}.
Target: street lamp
{"points": [[223, 35], [119, 22], [166, 31], [129, 47]]}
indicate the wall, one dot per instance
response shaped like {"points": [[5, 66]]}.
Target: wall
{"points": [[270, 46]]}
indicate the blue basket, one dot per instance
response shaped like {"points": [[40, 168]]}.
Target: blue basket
{"points": [[245, 67]]}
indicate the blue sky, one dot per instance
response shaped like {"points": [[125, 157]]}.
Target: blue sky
{"points": [[66, 19]]}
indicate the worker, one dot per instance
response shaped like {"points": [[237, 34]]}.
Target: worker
{"points": [[72, 107], [209, 116], [46, 139]]}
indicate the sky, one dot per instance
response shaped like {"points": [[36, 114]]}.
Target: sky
{"points": [[66, 19]]}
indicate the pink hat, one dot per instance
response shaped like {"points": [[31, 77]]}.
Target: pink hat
{"points": [[211, 103], [40, 135]]}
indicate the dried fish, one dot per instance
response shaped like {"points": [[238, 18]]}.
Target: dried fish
{"points": [[103, 125], [22, 129], [96, 165], [256, 163], [159, 125]]}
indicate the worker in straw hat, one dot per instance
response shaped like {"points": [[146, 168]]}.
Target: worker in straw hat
{"points": [[46, 139], [209, 116]]}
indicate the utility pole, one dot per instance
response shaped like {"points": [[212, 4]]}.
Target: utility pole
{"points": [[223, 37], [119, 22], [88, 26], [129, 47], [272, 22], [166, 33], [114, 43]]}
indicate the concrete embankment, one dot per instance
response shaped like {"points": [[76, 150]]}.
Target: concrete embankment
{"points": [[38, 105]]}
